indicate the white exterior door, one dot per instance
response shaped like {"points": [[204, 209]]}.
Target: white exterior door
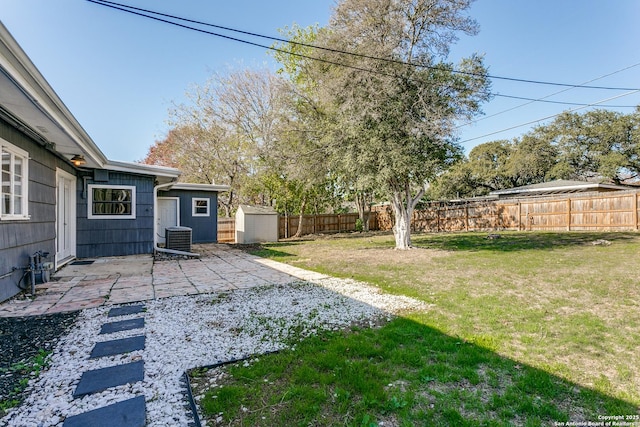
{"points": [[168, 215], [65, 217]]}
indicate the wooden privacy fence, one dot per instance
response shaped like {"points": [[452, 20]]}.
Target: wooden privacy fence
{"points": [[311, 224], [324, 223], [617, 211], [614, 211], [226, 230]]}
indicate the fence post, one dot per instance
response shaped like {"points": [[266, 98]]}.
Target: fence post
{"points": [[569, 214], [519, 215], [466, 216], [635, 210]]}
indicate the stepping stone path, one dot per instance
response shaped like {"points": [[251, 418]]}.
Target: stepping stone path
{"points": [[111, 348], [128, 413], [123, 325], [123, 311], [102, 379]]}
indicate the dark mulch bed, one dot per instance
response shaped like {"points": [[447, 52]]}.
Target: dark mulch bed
{"points": [[21, 339]]}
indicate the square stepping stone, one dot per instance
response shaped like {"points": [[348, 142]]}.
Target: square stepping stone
{"points": [[113, 347], [128, 413], [104, 378], [123, 311], [122, 325]]}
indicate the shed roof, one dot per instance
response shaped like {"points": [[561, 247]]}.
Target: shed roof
{"points": [[257, 210]]}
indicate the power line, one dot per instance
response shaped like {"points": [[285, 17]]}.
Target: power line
{"points": [[102, 3], [117, 7], [551, 116], [543, 99], [532, 100], [326, 61], [131, 9]]}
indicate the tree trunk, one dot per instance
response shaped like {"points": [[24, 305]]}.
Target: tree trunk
{"points": [[228, 205], [364, 209], [403, 205], [286, 224], [402, 226], [302, 206]]}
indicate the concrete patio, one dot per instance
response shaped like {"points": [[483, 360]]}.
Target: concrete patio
{"points": [[118, 280]]}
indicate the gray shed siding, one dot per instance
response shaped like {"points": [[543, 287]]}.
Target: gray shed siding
{"points": [[116, 237], [204, 229], [19, 239]]}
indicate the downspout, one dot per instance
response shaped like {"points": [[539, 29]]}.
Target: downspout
{"points": [[155, 224]]}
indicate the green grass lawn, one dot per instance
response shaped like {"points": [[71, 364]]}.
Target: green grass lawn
{"points": [[528, 329]]}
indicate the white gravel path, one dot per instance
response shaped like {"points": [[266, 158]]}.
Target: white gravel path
{"points": [[187, 332]]}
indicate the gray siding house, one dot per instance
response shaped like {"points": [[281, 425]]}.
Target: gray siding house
{"points": [[60, 194], [189, 205]]}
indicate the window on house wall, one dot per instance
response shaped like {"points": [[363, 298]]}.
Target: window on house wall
{"points": [[112, 202], [200, 207], [14, 183]]}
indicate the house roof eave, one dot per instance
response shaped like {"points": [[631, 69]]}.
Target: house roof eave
{"points": [[162, 173], [32, 101]]}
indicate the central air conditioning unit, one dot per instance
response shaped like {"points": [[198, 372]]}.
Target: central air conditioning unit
{"points": [[178, 238]]}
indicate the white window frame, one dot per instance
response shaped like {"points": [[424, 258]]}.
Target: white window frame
{"points": [[15, 152], [91, 215], [194, 206]]}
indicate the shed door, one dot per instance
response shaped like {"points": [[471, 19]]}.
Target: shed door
{"points": [[168, 215], [65, 217]]}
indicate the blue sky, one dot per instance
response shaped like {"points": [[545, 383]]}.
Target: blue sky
{"points": [[119, 74]]}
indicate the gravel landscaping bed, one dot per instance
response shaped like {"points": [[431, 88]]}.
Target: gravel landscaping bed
{"points": [[187, 332]]}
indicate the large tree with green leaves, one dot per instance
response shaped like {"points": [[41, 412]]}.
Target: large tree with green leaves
{"points": [[307, 75], [497, 165], [392, 101], [597, 145]]}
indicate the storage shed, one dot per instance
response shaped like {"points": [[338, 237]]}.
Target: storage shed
{"points": [[256, 224]]}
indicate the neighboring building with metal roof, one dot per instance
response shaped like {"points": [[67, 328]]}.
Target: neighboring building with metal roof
{"points": [[557, 187]]}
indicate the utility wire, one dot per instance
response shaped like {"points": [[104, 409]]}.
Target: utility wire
{"points": [[543, 99], [113, 6], [126, 8], [551, 116], [532, 100], [131, 9], [326, 61]]}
